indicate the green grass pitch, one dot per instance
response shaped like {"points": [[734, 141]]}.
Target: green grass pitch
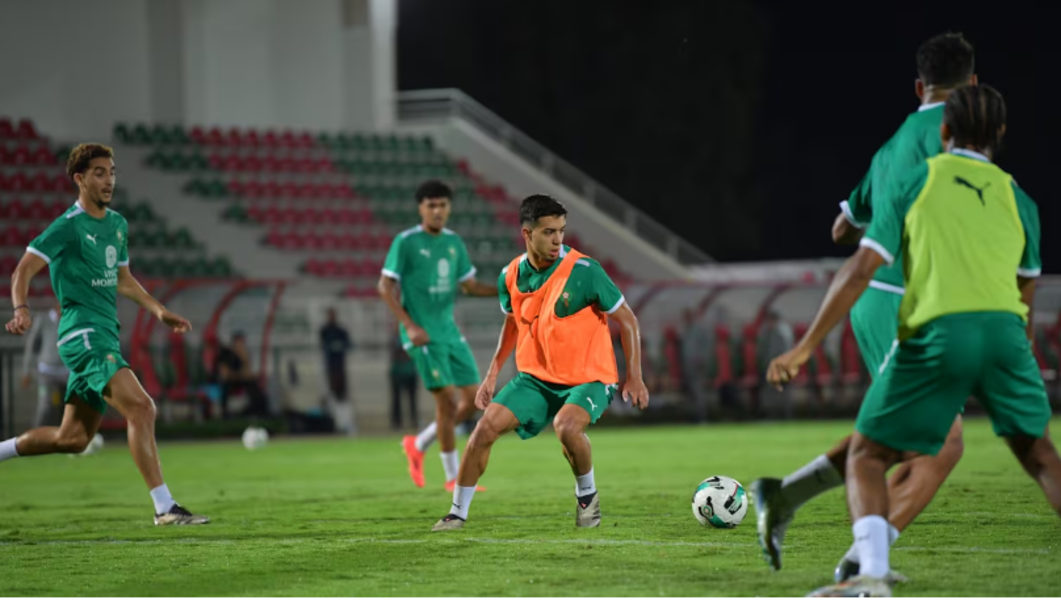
{"points": [[340, 517]]}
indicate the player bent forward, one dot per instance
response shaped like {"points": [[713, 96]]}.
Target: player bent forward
{"points": [[557, 303]]}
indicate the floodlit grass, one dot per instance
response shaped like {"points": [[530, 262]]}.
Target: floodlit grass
{"points": [[340, 517]]}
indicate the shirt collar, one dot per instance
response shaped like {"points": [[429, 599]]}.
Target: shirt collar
{"points": [[970, 154], [925, 107]]}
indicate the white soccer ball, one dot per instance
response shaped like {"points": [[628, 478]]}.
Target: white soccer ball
{"points": [[720, 502], [255, 438]]}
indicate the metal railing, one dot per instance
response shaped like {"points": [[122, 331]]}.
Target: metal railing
{"points": [[453, 103]]}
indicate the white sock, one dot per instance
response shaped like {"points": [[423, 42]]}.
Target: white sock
{"points": [[462, 499], [451, 463], [162, 498], [584, 485], [816, 477], [852, 552], [426, 437], [871, 537], [8, 450]]}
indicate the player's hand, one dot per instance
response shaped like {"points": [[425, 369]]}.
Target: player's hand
{"points": [[784, 368], [27, 381], [417, 336], [20, 323], [485, 395], [175, 322], [635, 392]]}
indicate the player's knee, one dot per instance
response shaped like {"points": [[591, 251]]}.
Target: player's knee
{"points": [[484, 435], [952, 451], [141, 408], [864, 449], [73, 442], [566, 427]]}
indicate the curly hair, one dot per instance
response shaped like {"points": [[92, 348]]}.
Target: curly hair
{"points": [[82, 155]]}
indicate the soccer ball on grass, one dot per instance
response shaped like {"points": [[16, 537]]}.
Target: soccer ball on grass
{"points": [[720, 502], [255, 438]]}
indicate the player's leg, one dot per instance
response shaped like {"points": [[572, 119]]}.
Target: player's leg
{"points": [[497, 421], [521, 407], [874, 320], [582, 406], [911, 487], [465, 377], [908, 411], [124, 392], [72, 436], [1014, 396], [433, 367]]}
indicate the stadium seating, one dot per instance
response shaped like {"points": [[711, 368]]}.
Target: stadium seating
{"points": [[345, 192]]}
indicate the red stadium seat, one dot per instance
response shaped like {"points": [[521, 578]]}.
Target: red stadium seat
{"points": [[197, 135], [750, 372], [8, 264], [17, 210], [61, 184], [251, 138], [7, 157], [215, 137], [234, 137], [7, 130], [59, 207], [270, 139], [43, 157], [26, 130], [850, 359], [252, 164], [21, 155], [272, 215], [37, 210], [723, 357]]}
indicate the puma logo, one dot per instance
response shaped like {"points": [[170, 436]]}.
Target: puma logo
{"points": [[590, 400], [91, 238], [979, 191]]}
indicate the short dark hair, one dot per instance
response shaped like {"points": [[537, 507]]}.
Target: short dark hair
{"points": [[433, 188], [537, 206], [975, 115], [946, 60], [82, 155]]}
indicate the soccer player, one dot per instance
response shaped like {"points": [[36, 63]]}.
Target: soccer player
{"points": [[944, 63], [969, 237], [88, 255], [429, 265], [557, 302]]}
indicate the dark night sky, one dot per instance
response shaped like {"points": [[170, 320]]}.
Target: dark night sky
{"points": [[739, 124]]}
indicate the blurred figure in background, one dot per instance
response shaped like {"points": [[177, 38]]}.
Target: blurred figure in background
{"points": [[42, 355], [775, 338], [403, 381], [696, 344], [232, 371], [335, 344]]}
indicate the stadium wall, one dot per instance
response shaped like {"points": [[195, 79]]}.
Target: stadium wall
{"points": [[327, 64]]}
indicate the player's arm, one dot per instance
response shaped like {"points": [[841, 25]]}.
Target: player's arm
{"points": [[1031, 265], [474, 287], [851, 280], [845, 232], [390, 291], [31, 264], [634, 390], [129, 287], [506, 343]]}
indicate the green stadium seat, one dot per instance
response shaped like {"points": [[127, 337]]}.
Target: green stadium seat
{"points": [[141, 135], [216, 189], [121, 133], [195, 187], [236, 213], [220, 267], [159, 135], [177, 135]]}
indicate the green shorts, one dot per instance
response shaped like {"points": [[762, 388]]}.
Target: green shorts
{"points": [[93, 356], [875, 321], [536, 402], [926, 380], [442, 364]]}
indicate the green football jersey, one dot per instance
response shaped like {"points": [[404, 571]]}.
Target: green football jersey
{"points": [[429, 269], [965, 231], [588, 285], [915, 141], [83, 254]]}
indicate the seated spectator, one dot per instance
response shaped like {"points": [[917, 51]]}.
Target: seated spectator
{"points": [[232, 372]]}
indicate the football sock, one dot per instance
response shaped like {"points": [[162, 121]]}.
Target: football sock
{"points": [[584, 485], [462, 499], [871, 538], [162, 498], [426, 437], [852, 552], [816, 477], [451, 464], [8, 450]]}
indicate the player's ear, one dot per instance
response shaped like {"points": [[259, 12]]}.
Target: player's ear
{"points": [[944, 134], [919, 89]]}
